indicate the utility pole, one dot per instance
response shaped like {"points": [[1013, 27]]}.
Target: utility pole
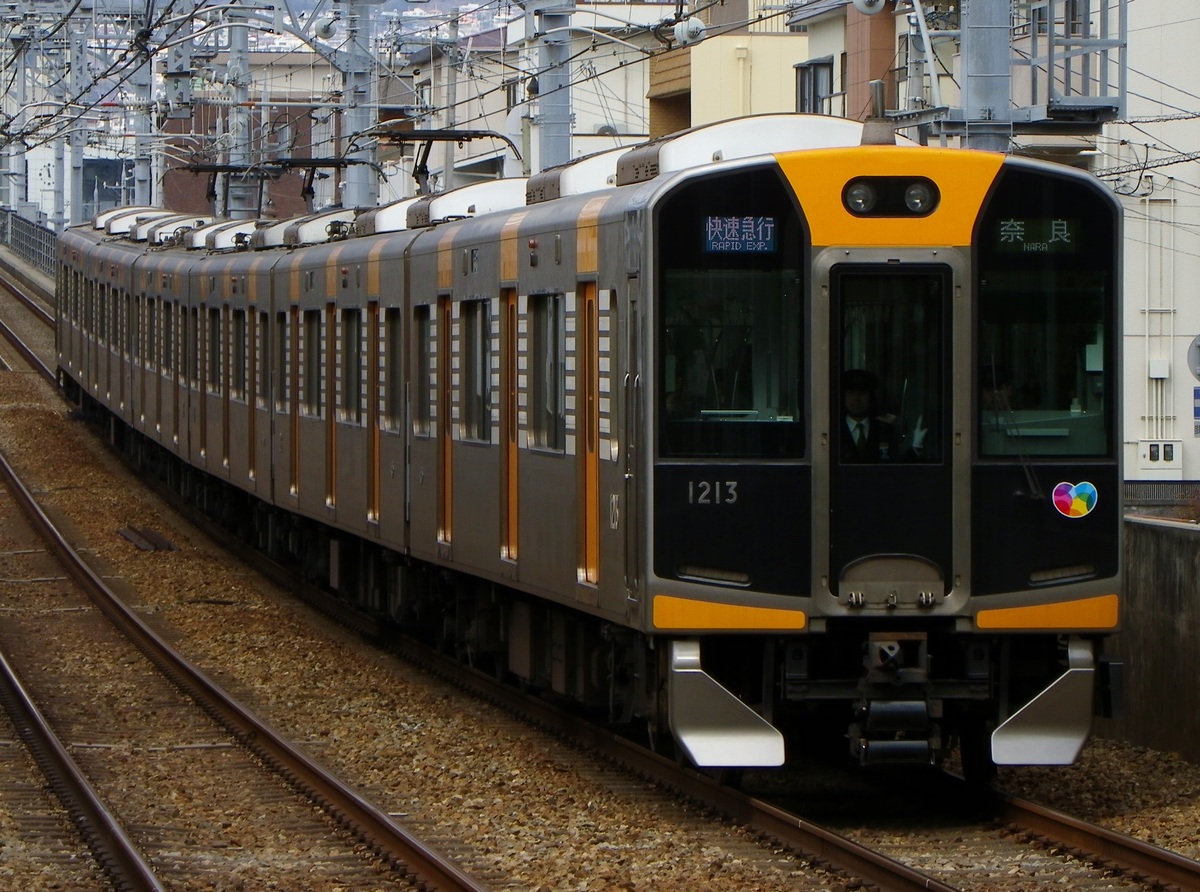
{"points": [[142, 121], [358, 73], [1068, 57], [18, 188], [243, 197], [76, 135], [987, 76], [451, 99], [551, 22]]}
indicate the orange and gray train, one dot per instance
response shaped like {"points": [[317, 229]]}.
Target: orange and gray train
{"points": [[598, 430]]}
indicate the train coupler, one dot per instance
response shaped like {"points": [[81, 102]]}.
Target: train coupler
{"points": [[891, 731]]}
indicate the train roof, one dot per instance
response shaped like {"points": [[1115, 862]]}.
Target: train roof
{"points": [[101, 219], [125, 223], [221, 235], [737, 138], [160, 229], [386, 218]]}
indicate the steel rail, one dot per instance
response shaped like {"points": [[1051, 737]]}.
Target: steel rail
{"points": [[802, 836], [1101, 845], [27, 354], [114, 851], [401, 848], [43, 315]]}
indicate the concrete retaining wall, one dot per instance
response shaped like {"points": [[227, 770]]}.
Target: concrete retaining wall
{"points": [[1160, 638]]}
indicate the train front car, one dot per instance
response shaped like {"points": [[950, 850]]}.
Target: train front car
{"points": [[886, 499]]}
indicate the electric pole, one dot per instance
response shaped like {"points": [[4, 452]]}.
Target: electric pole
{"points": [[451, 99], [550, 21], [359, 102]]}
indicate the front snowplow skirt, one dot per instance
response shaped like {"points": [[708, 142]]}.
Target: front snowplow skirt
{"points": [[1052, 728], [714, 728]]}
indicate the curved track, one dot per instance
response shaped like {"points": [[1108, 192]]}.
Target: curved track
{"points": [[386, 839]]}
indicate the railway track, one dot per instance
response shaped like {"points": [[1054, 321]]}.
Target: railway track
{"points": [[29, 331], [823, 846], [189, 745], [86, 813], [407, 858]]}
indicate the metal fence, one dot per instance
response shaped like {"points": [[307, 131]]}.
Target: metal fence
{"points": [[31, 242]]}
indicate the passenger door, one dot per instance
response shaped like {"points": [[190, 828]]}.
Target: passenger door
{"points": [[890, 495]]}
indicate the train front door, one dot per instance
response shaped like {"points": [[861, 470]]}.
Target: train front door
{"points": [[890, 500]]}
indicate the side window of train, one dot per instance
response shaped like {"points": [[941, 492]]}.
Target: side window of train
{"points": [[282, 364], [239, 358], [477, 369], [168, 339], [393, 370], [101, 314], [151, 358], [215, 340], [423, 374], [262, 351], [193, 347], [313, 354], [547, 372], [352, 354], [115, 305]]}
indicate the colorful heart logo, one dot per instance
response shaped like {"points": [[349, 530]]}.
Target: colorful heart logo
{"points": [[1075, 499]]}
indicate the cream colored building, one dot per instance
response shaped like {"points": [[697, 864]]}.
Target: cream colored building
{"points": [[744, 74]]}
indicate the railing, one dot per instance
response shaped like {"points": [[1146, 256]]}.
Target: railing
{"points": [[29, 241]]}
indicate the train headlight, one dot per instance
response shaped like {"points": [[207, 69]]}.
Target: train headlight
{"points": [[919, 197], [860, 197], [890, 196]]}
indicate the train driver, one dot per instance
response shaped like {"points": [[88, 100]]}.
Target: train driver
{"points": [[867, 436]]}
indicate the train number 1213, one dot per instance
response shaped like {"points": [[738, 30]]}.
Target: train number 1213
{"points": [[718, 492]]}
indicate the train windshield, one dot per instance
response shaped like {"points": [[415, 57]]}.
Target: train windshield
{"points": [[730, 316], [891, 402], [1047, 271]]}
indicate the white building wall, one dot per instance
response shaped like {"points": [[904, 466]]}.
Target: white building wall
{"points": [[1162, 239]]}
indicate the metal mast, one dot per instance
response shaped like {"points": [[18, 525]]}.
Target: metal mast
{"points": [[551, 24], [359, 102]]}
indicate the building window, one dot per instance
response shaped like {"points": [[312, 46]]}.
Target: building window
{"points": [[814, 87], [547, 364], [424, 91], [477, 370], [512, 93]]}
